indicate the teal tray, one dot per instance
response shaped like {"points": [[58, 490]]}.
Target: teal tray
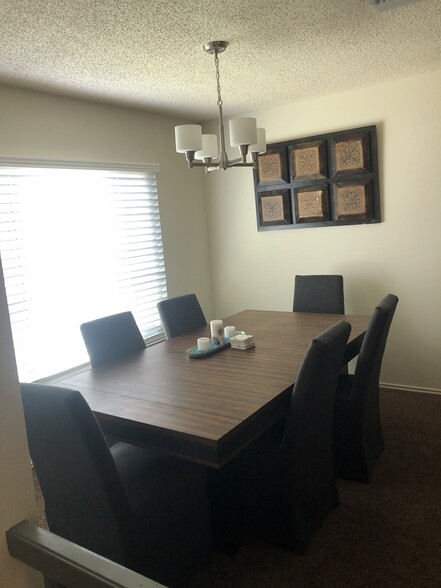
{"points": [[194, 352]]}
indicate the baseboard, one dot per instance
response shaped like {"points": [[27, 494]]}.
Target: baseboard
{"points": [[409, 389]]}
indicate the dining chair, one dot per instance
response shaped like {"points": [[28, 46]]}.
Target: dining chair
{"points": [[111, 337], [180, 315], [319, 293], [287, 488], [146, 511], [358, 437]]}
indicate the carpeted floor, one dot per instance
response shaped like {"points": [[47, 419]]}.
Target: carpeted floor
{"points": [[386, 534]]}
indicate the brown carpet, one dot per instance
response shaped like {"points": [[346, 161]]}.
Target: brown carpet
{"points": [[385, 534]]}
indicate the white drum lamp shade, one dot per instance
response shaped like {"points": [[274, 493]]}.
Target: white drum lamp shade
{"points": [[209, 147], [260, 146], [188, 138], [243, 131]]}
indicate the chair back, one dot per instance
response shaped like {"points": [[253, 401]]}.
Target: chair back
{"points": [[319, 293], [365, 388], [111, 337], [180, 315], [307, 440], [83, 493]]}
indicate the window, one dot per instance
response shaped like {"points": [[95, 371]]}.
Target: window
{"points": [[77, 242]]}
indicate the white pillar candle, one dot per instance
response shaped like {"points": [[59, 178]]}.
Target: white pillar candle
{"points": [[217, 332], [204, 343], [229, 332]]}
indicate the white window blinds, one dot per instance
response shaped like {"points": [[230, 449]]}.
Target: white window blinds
{"points": [[76, 244]]}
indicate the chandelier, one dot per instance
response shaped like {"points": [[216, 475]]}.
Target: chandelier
{"points": [[201, 150]]}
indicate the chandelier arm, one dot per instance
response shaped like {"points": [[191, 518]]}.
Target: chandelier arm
{"points": [[240, 163], [212, 166]]}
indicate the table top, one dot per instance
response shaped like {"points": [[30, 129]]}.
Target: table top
{"points": [[207, 409]]}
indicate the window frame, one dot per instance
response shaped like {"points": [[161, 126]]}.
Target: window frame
{"points": [[98, 166]]}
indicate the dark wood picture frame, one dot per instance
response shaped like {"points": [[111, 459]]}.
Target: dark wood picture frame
{"points": [[274, 208], [272, 167], [352, 200], [308, 161], [322, 180], [350, 154]]}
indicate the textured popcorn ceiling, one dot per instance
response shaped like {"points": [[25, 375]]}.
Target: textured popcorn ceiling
{"points": [[148, 53]]}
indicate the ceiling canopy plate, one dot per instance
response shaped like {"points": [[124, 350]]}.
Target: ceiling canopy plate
{"points": [[390, 4], [215, 46]]}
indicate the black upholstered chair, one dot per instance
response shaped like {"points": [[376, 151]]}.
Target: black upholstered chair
{"points": [[319, 293], [143, 510], [181, 315], [287, 486], [358, 438], [111, 337]]}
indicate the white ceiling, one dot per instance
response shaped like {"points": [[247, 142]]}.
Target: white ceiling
{"points": [[148, 53]]}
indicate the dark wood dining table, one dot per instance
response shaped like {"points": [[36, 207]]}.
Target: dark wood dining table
{"points": [[207, 409]]}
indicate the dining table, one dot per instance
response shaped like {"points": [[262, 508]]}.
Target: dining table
{"points": [[207, 409]]}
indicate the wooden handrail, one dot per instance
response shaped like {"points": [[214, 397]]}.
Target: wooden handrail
{"points": [[68, 563]]}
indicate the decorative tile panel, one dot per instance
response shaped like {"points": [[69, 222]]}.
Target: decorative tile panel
{"points": [[323, 180]]}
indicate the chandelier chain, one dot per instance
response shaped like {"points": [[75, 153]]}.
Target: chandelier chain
{"points": [[216, 62]]}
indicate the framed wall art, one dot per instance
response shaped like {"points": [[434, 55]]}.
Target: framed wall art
{"points": [[323, 180]]}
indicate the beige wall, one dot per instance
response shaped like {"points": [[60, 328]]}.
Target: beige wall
{"points": [[42, 126], [17, 498], [401, 255]]}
